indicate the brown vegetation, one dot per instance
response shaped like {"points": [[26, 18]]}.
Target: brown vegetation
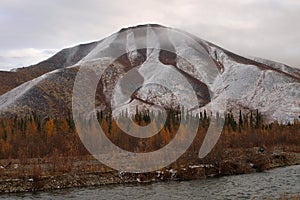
{"points": [[33, 137], [38, 149]]}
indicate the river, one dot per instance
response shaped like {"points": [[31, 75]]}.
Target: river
{"points": [[271, 183]]}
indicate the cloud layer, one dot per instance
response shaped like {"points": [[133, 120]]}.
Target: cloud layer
{"points": [[33, 30]]}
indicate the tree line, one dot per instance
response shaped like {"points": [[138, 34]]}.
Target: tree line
{"points": [[35, 137]]}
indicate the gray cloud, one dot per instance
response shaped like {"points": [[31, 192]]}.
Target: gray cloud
{"points": [[262, 28]]}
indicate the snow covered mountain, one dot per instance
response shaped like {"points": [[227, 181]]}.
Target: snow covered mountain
{"points": [[144, 55]]}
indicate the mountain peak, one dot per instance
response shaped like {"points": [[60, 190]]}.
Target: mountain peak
{"points": [[142, 26]]}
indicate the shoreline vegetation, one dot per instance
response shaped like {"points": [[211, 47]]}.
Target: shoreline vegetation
{"points": [[46, 153], [44, 175]]}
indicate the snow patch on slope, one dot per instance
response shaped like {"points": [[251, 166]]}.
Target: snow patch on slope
{"points": [[15, 94]]}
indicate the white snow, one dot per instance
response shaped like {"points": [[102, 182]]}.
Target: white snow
{"points": [[131, 47]]}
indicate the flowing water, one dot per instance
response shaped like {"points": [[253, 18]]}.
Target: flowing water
{"points": [[273, 183]]}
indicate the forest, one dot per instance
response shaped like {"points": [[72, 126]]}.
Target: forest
{"points": [[34, 137]]}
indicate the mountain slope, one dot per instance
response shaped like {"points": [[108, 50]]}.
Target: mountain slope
{"points": [[149, 54], [64, 58]]}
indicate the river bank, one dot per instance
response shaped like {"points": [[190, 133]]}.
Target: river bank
{"points": [[57, 173], [280, 183]]}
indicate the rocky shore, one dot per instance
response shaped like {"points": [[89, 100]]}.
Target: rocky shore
{"points": [[14, 178]]}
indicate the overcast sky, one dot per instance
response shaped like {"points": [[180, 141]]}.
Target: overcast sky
{"points": [[33, 30]]}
